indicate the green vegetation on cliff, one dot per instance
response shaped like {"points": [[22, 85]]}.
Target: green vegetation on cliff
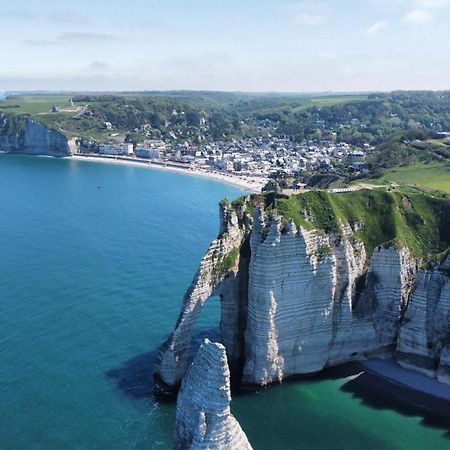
{"points": [[402, 217], [227, 262]]}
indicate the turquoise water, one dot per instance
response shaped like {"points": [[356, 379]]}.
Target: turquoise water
{"points": [[94, 260]]}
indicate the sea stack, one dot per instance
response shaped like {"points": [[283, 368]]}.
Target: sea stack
{"points": [[203, 418]]}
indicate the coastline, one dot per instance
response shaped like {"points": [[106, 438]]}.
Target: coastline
{"points": [[405, 385], [383, 383], [249, 184], [391, 370], [384, 376]]}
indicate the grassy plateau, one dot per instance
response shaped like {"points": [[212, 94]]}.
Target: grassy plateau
{"points": [[434, 176], [403, 217]]}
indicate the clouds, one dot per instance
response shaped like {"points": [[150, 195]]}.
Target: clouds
{"points": [[329, 56], [309, 19], [435, 4], [99, 66], [426, 12], [418, 17], [17, 15], [65, 17], [247, 45], [69, 17], [415, 13], [377, 26], [74, 38], [412, 4], [308, 13], [86, 38]]}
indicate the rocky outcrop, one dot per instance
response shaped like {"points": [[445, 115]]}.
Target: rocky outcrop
{"points": [[219, 274], [31, 137], [203, 417], [296, 300]]}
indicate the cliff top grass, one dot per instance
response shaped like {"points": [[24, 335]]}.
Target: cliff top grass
{"points": [[434, 176], [65, 120], [403, 217], [34, 104]]}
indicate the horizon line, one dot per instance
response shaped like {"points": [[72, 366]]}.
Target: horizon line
{"points": [[212, 91]]}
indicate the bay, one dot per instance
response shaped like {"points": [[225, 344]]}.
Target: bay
{"points": [[94, 260]]}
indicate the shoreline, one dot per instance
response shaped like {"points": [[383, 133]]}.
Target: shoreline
{"points": [[383, 383], [408, 386], [391, 370], [248, 184]]}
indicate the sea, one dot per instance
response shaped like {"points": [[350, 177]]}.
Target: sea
{"points": [[94, 261]]}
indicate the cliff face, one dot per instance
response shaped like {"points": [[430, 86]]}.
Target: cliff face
{"points": [[303, 312], [203, 418], [296, 299], [423, 340], [30, 137], [218, 274]]}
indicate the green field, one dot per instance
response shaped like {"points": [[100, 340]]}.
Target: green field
{"points": [[330, 100], [434, 176], [35, 104]]}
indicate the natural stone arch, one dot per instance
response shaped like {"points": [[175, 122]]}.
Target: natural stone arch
{"points": [[218, 275]]}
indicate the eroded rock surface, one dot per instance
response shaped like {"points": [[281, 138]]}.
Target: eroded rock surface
{"points": [[423, 340], [219, 274], [32, 138], [203, 418], [295, 301], [304, 310]]}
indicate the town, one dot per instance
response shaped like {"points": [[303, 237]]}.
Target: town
{"points": [[262, 157]]}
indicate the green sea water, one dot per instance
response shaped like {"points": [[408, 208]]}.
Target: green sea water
{"points": [[94, 260]]}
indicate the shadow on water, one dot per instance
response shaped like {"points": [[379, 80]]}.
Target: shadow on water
{"points": [[381, 394], [134, 377]]}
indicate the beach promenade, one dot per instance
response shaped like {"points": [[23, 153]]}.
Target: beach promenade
{"points": [[251, 184]]}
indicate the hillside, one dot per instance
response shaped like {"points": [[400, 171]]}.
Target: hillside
{"points": [[356, 119], [190, 115], [300, 135]]}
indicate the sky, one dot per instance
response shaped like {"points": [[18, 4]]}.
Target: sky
{"points": [[229, 45]]}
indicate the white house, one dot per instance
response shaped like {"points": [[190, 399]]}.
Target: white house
{"points": [[116, 149], [147, 152]]}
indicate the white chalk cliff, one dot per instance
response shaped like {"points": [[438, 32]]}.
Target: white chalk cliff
{"points": [[31, 137], [295, 301], [203, 417]]}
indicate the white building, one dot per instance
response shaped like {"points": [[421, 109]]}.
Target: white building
{"points": [[147, 152], [154, 143], [115, 149]]}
